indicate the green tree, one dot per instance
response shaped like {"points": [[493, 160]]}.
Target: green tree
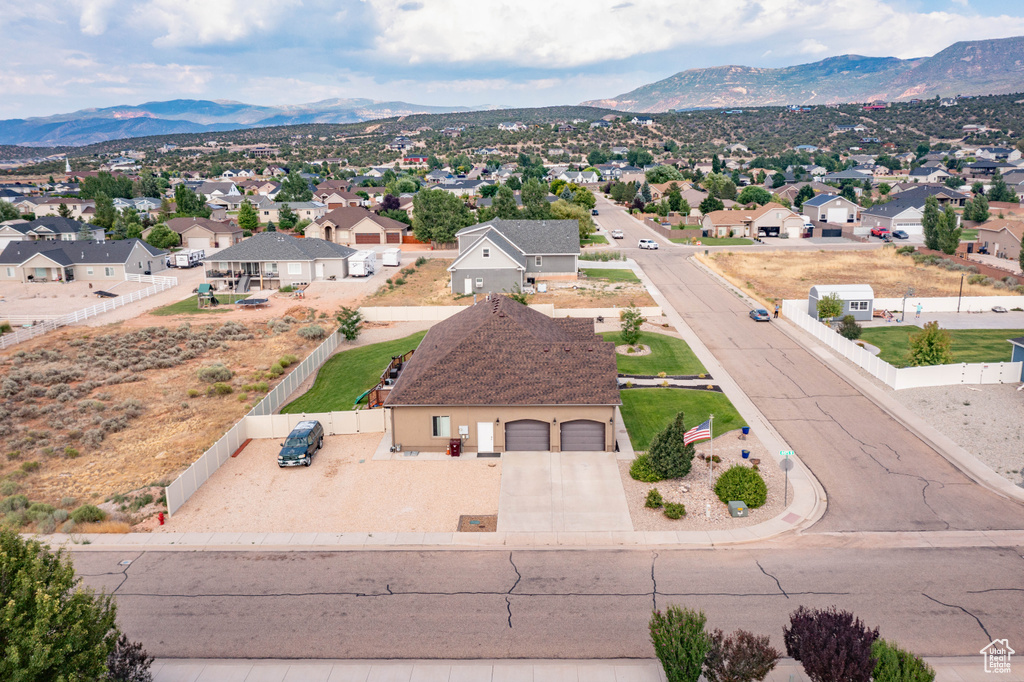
{"points": [[670, 456], [949, 232], [711, 204], [931, 346], [896, 665], [752, 194], [504, 204], [716, 164], [631, 320], [778, 180], [884, 188], [489, 190], [105, 212], [720, 186], [639, 157], [247, 217], [514, 183], [535, 203], [189, 204], [85, 232], [976, 209], [163, 237], [105, 183], [660, 174], [581, 196], [350, 323], [438, 215], [286, 217], [829, 307], [849, 328], [675, 197], [622, 192], [294, 188], [930, 223], [680, 642], [645, 192], [999, 190], [597, 157], [563, 210], [63, 211], [977, 188], [847, 191], [7, 211], [51, 628], [806, 192]]}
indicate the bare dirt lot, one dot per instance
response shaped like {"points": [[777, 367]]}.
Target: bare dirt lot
{"points": [[344, 490], [55, 298], [775, 275]]}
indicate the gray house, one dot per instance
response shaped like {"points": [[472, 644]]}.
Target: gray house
{"points": [[858, 300], [271, 260], [508, 255], [831, 208], [1018, 352], [89, 261]]}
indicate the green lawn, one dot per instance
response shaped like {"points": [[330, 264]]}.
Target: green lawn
{"points": [[190, 306], [647, 411], [969, 345], [594, 239], [968, 235], [668, 354], [611, 274], [718, 241], [346, 375]]}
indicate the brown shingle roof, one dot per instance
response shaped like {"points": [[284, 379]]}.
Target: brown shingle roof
{"points": [[347, 216], [179, 225], [1014, 227], [499, 352]]}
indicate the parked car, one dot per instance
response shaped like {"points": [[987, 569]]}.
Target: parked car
{"points": [[879, 232], [593, 211], [998, 309], [760, 315], [900, 234], [298, 448], [617, 234], [648, 244]]}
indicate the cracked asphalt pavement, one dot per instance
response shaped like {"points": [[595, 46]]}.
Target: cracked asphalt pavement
{"points": [[541, 603]]}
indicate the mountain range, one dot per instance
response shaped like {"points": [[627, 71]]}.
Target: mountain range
{"points": [[980, 67], [194, 116]]}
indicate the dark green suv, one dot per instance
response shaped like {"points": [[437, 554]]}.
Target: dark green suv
{"points": [[305, 439]]}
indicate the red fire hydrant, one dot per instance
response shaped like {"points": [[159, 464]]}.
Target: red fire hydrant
{"points": [[161, 517]]}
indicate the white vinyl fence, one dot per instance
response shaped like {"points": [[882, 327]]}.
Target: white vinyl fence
{"points": [[443, 312], [334, 423], [158, 284], [948, 304], [291, 382], [904, 377]]}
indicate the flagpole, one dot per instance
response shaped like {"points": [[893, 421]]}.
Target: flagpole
{"points": [[711, 462]]}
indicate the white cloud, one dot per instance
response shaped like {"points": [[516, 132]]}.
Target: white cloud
{"points": [[94, 15], [810, 46], [196, 22]]}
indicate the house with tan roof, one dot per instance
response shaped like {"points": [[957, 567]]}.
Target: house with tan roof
{"points": [[770, 220], [1001, 238], [352, 225], [203, 233], [505, 378]]}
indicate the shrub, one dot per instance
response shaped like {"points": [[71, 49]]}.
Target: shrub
{"points": [[88, 513], [287, 360], [740, 657], [219, 388], [830, 644], [46, 525], [312, 332], [67, 501], [13, 454], [931, 346], [276, 370], [641, 470], [631, 322], [742, 484], [399, 281], [192, 392], [8, 487], [286, 289], [421, 261], [670, 456], [654, 499], [214, 373], [29, 467], [680, 642], [60, 515], [13, 503], [976, 279], [128, 662], [849, 328], [675, 511], [70, 452], [896, 665]]}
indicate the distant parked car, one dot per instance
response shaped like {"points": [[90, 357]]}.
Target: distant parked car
{"points": [[879, 232], [617, 234], [900, 234], [648, 244], [760, 315], [593, 211], [998, 309]]}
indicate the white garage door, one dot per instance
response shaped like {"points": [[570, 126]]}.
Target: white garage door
{"points": [[836, 215], [199, 243], [582, 434], [528, 434]]}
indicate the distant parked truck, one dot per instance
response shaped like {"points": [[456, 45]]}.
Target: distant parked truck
{"points": [[362, 264], [189, 258], [392, 257]]}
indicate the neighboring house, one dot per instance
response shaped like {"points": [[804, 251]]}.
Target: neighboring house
{"points": [[507, 378], [918, 194], [512, 127], [1017, 354], [790, 191], [50, 206], [998, 153], [105, 261], [436, 176], [831, 208], [209, 190], [928, 174], [203, 233], [579, 177], [237, 173], [642, 121], [271, 260], [894, 215], [270, 211], [858, 300], [463, 188], [769, 220], [1001, 238], [507, 255], [848, 175], [986, 168], [350, 226], [49, 228]]}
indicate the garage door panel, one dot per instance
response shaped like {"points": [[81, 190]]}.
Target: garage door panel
{"points": [[199, 243], [836, 215], [527, 434], [394, 238], [582, 435], [363, 238]]}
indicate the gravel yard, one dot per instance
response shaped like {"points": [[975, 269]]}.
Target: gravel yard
{"points": [[727, 447], [987, 421], [343, 491]]}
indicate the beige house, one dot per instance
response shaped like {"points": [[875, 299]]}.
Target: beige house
{"points": [[553, 389], [770, 220], [351, 226], [53, 261], [271, 260], [1001, 238], [270, 211], [203, 233], [52, 228]]}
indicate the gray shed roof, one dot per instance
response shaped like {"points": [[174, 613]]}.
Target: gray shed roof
{"points": [[79, 252], [275, 246], [535, 236], [56, 224]]}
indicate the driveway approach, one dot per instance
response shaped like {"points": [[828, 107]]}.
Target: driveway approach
{"points": [[878, 476]]}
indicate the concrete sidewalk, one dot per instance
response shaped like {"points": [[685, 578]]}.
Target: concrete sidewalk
{"points": [[953, 669]]}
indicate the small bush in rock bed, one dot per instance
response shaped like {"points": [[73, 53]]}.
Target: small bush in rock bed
{"points": [[287, 360], [641, 470], [88, 513], [675, 511], [742, 484], [214, 373], [219, 389], [654, 499], [312, 332]]}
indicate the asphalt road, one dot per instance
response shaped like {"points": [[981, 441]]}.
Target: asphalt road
{"points": [[542, 604], [877, 474]]}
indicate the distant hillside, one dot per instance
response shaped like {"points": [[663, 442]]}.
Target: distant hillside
{"points": [[89, 126], [968, 68]]}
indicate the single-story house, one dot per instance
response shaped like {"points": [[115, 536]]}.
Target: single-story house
{"points": [[505, 378], [88, 261], [1001, 237], [209, 190], [831, 208], [769, 220], [918, 194], [203, 233], [270, 211], [894, 215], [350, 225], [47, 228], [858, 300], [928, 174], [507, 255], [271, 260], [462, 187], [579, 177]]}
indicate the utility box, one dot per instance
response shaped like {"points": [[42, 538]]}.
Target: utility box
{"points": [[454, 447], [737, 509]]}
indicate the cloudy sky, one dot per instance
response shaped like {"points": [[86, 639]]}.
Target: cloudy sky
{"points": [[63, 55]]}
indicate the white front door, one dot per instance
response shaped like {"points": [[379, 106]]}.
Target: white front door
{"points": [[485, 436], [319, 270], [469, 286]]}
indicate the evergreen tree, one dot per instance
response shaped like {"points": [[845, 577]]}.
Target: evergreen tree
{"points": [[716, 164], [931, 346], [286, 217], [505, 204], [247, 217], [999, 191], [930, 223], [806, 192], [535, 203], [189, 204], [711, 204], [105, 212], [949, 231], [645, 192], [63, 211], [670, 456]]}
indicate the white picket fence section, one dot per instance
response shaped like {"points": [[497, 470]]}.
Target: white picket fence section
{"points": [[904, 377], [158, 284], [443, 312], [948, 304]]}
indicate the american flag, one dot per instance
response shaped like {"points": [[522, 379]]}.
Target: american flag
{"points": [[699, 432]]}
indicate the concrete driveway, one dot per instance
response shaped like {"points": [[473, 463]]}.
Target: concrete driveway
{"points": [[561, 491]]}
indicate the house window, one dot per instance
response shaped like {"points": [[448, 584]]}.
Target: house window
{"points": [[538, 261], [859, 305], [487, 253], [440, 427], [479, 282], [10, 272], [270, 268], [88, 271], [109, 272], [295, 268]]}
